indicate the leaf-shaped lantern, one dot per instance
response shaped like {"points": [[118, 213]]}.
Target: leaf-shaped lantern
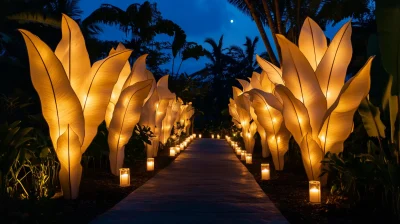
{"points": [[165, 96], [116, 92], [263, 134], [72, 53], [331, 71], [126, 115], [269, 115], [69, 154], [60, 106], [97, 92], [339, 118], [301, 80], [312, 42]]}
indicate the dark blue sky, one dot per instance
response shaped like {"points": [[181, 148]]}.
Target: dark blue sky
{"points": [[199, 19]]}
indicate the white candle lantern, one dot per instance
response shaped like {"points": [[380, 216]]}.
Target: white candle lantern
{"points": [[238, 151], [199, 135], [182, 147], [212, 136], [195, 135], [315, 192], [150, 164], [218, 137], [265, 172], [249, 158], [243, 155], [172, 151], [177, 149], [185, 143], [124, 177]]}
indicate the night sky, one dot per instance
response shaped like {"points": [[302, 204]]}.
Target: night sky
{"points": [[199, 19]]}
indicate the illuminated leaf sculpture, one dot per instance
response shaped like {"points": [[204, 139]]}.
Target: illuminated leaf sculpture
{"points": [[318, 107], [169, 120], [97, 90], [116, 92], [126, 115], [268, 110], [165, 96], [60, 107], [69, 154], [262, 133]]}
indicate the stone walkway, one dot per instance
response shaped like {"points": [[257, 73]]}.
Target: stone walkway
{"points": [[205, 184]]}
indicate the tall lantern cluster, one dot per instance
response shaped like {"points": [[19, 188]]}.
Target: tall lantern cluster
{"points": [[307, 97], [77, 96]]}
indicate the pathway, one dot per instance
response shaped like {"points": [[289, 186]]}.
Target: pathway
{"points": [[205, 184]]}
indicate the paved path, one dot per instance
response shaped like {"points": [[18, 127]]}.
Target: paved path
{"points": [[205, 184]]}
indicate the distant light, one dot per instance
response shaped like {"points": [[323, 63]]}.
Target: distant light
{"points": [[231, 20]]}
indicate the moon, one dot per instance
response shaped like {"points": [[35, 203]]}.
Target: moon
{"points": [[232, 21]]}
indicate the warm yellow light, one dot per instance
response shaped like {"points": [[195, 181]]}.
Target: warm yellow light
{"points": [[265, 171], [218, 136], [212, 136], [323, 138], [124, 177], [199, 135], [172, 151], [177, 149], [243, 155], [249, 158], [124, 119], [238, 151], [150, 164], [273, 120], [315, 192]]}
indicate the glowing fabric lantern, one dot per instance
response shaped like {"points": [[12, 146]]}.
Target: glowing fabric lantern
{"points": [[318, 105], [199, 135], [267, 109], [165, 96], [116, 92], [212, 135], [61, 109], [315, 192], [239, 151], [218, 136], [92, 84], [265, 171], [126, 115], [69, 155], [177, 149], [150, 164], [124, 177]]}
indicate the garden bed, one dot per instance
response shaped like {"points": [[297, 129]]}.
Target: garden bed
{"points": [[99, 191], [288, 190]]}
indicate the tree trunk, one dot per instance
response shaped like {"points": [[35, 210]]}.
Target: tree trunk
{"points": [[262, 33], [272, 27], [278, 18]]}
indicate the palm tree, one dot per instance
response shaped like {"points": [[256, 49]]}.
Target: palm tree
{"points": [[286, 16], [246, 62]]}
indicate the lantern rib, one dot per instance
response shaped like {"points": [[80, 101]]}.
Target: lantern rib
{"points": [[333, 62], [312, 37], [51, 83], [69, 46], [309, 157], [69, 164], [298, 77]]}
